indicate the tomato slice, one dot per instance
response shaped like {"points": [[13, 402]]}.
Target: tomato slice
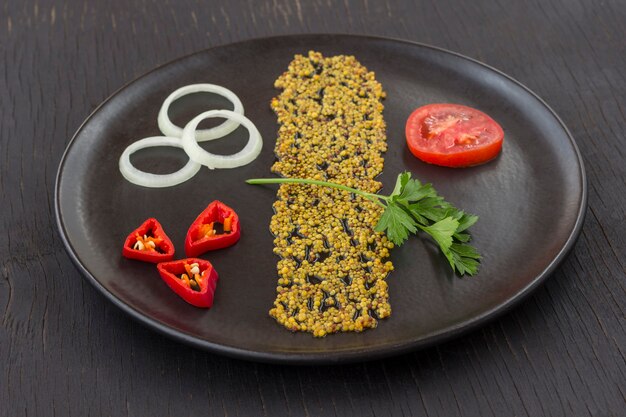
{"points": [[453, 135]]}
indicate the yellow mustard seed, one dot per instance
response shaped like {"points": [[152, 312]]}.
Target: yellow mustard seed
{"points": [[332, 129]]}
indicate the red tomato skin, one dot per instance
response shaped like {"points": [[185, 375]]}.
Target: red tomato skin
{"points": [[461, 158]]}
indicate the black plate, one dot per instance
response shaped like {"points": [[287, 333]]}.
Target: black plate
{"points": [[531, 200]]}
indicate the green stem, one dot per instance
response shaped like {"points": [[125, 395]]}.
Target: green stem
{"points": [[369, 196]]}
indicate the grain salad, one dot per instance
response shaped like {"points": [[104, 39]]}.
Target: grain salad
{"points": [[333, 265]]}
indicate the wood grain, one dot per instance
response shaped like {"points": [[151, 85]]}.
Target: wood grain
{"points": [[64, 350]]}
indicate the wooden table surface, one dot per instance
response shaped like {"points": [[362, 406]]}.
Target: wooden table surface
{"points": [[66, 351]]}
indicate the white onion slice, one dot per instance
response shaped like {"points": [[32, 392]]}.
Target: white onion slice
{"points": [[146, 179], [170, 129], [243, 157]]}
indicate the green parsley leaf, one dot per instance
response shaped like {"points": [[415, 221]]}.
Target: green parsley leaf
{"points": [[414, 191], [442, 232], [465, 258], [466, 221], [396, 223], [433, 208], [462, 237], [400, 183]]}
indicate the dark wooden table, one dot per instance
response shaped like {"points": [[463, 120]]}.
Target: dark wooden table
{"points": [[66, 351]]}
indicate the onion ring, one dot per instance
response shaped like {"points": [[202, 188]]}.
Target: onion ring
{"points": [[147, 179], [212, 161], [170, 129]]}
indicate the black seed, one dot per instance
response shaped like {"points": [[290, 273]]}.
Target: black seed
{"points": [[346, 228], [322, 256], [323, 166], [314, 279], [373, 314]]}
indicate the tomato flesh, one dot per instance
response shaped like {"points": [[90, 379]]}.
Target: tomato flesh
{"points": [[453, 135]]}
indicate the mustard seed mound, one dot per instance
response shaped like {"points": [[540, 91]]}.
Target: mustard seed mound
{"points": [[332, 269]]}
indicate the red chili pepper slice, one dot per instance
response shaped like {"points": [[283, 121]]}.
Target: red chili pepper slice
{"points": [[149, 243], [202, 236], [194, 280]]}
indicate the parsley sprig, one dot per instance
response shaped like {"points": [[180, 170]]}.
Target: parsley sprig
{"points": [[410, 208]]}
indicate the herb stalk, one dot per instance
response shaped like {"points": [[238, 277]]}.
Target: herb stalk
{"points": [[413, 206]]}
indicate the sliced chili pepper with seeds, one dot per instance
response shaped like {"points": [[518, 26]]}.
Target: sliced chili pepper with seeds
{"points": [[149, 243], [194, 280], [205, 234]]}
